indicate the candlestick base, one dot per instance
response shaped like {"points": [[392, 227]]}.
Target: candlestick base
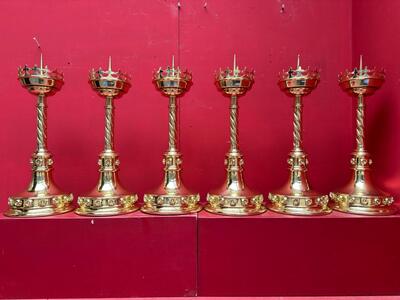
{"points": [[306, 203], [32, 204], [102, 204], [374, 202], [178, 202], [242, 203], [172, 198], [43, 197], [360, 196], [108, 198]]}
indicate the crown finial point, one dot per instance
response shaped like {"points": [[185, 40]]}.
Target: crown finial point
{"points": [[361, 61], [234, 62], [173, 62]]}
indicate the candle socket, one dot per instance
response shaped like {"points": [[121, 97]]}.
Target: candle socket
{"points": [[296, 197], [360, 195], [43, 197], [108, 198], [172, 197], [234, 197]]}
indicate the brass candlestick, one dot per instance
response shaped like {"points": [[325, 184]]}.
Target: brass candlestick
{"points": [[43, 197], [109, 197], [296, 197], [172, 198], [360, 196], [234, 198]]}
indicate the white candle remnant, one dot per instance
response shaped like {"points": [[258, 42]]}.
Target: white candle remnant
{"points": [[41, 54], [298, 61], [109, 64]]}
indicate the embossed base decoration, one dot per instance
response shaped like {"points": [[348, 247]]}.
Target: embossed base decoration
{"points": [[106, 206], [171, 204], [308, 203], [235, 205], [39, 206], [364, 205]]}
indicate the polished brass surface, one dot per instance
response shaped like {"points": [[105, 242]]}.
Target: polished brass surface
{"points": [[360, 196], [172, 198], [108, 198], [296, 197], [43, 197], [234, 198]]}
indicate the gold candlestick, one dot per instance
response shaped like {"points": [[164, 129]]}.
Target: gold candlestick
{"points": [[234, 198], [172, 198], [360, 196], [109, 197], [43, 197], [296, 197]]}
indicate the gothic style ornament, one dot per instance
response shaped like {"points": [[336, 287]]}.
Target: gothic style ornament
{"points": [[43, 197], [108, 198], [360, 196], [296, 197], [172, 198], [234, 198]]}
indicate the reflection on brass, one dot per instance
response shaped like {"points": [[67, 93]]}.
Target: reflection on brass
{"points": [[109, 197], [172, 198], [43, 197], [234, 198], [360, 196], [296, 197]]}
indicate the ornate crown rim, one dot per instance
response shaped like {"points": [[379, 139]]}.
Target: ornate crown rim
{"points": [[35, 71], [172, 74], [364, 74], [100, 74], [299, 73], [228, 73]]}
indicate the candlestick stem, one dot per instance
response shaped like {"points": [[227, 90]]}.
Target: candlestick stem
{"points": [[297, 124], [109, 124], [41, 127], [172, 124], [233, 124], [360, 136]]}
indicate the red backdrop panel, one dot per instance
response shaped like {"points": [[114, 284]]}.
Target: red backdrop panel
{"points": [[142, 35]]}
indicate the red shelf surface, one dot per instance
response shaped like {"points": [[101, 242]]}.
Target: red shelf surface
{"points": [[139, 255], [272, 254], [69, 256]]}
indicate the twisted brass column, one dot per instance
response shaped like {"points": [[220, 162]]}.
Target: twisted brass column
{"points": [[43, 197], [109, 124]]}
